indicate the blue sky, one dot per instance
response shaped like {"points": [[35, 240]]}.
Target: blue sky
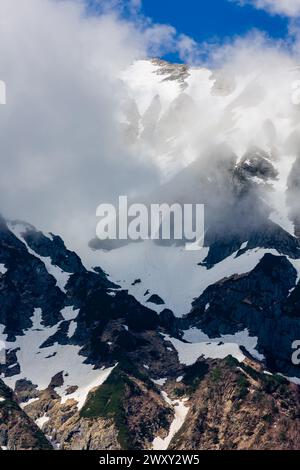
{"points": [[210, 19], [206, 21], [214, 20]]}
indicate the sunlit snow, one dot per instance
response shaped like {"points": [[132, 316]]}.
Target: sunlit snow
{"points": [[40, 365], [181, 411]]}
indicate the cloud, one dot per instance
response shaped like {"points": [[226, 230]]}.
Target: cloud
{"points": [[289, 8], [189, 50], [136, 4], [242, 99], [61, 150], [124, 6]]}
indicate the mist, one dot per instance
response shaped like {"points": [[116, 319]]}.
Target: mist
{"points": [[71, 133], [61, 149]]}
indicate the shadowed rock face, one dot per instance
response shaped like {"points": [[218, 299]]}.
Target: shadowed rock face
{"points": [[26, 285], [259, 301], [55, 249], [268, 236], [17, 430], [293, 195]]}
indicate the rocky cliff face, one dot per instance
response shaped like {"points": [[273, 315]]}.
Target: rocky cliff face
{"points": [[238, 407], [92, 332], [259, 301], [88, 366], [17, 430], [126, 412]]}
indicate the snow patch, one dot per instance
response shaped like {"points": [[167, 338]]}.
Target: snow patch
{"points": [[241, 338], [42, 421], [188, 353], [296, 264], [40, 365], [69, 313], [81, 394], [181, 411], [171, 272], [3, 269], [28, 402], [72, 329], [160, 382]]}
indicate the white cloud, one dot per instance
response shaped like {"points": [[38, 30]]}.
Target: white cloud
{"points": [[289, 8], [61, 151], [189, 49], [136, 4]]}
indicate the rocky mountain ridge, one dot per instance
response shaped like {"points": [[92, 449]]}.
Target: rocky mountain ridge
{"points": [[98, 370]]}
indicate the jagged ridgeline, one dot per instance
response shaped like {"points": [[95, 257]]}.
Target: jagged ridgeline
{"points": [[89, 367]]}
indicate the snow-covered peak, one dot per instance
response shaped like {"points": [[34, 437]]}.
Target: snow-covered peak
{"points": [[172, 113], [144, 81]]}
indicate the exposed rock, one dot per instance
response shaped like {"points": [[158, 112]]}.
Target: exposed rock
{"points": [[155, 299], [178, 72], [17, 430], [258, 301], [238, 407]]}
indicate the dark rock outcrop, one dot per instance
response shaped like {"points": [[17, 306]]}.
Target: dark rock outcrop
{"points": [[259, 301]]}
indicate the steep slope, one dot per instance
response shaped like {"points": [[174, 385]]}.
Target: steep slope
{"points": [[216, 140], [17, 430], [238, 407], [257, 301], [216, 145], [126, 412], [92, 333], [102, 371]]}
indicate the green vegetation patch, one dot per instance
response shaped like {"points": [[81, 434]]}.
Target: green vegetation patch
{"points": [[243, 385], [271, 383], [194, 374], [108, 400], [216, 374], [231, 362]]}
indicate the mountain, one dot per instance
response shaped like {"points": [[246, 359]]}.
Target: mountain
{"points": [[17, 430], [160, 347], [88, 367], [246, 278]]}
